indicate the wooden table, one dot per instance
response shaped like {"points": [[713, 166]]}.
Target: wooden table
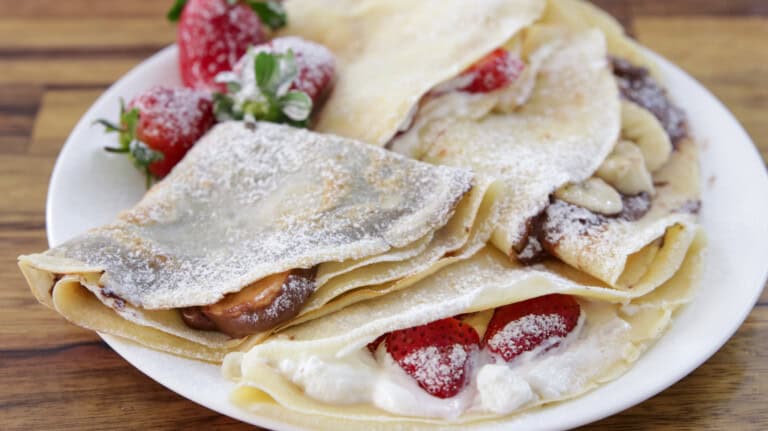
{"points": [[56, 57]]}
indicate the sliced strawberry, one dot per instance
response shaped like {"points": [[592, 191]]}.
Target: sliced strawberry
{"points": [[437, 354], [212, 36], [158, 127], [523, 326], [494, 71]]}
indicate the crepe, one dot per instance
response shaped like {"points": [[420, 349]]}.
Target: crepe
{"points": [[583, 15], [565, 144], [323, 370], [247, 202], [390, 53]]}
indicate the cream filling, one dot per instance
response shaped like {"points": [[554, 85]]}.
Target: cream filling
{"points": [[600, 340]]}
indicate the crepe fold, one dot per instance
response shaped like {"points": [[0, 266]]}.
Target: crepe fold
{"points": [[292, 371], [561, 124], [390, 53], [249, 201]]}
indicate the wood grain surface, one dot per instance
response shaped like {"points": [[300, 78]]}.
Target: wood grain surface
{"points": [[56, 58]]}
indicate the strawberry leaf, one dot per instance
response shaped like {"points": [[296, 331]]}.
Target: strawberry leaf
{"points": [[140, 154], [271, 13], [129, 120], [175, 11], [223, 107], [296, 105], [273, 100], [143, 156], [108, 126], [266, 68], [288, 72]]}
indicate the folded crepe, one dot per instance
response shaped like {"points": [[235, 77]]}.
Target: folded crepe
{"points": [[326, 370], [596, 165], [571, 115], [235, 241], [390, 53]]}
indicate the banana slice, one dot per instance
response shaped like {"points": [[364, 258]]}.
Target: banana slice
{"points": [[641, 127], [593, 194], [626, 169]]}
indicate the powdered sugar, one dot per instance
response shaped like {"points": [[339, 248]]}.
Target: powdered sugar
{"points": [[315, 67], [516, 334], [175, 115], [212, 38], [438, 369], [561, 134], [315, 62], [250, 201], [567, 220]]}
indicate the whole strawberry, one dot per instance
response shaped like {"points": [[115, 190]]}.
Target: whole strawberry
{"points": [[159, 126], [437, 355], [214, 34], [523, 326], [280, 81]]}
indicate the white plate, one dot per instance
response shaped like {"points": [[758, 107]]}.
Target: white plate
{"points": [[89, 187]]}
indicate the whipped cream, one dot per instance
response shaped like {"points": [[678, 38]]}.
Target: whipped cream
{"points": [[599, 341]]}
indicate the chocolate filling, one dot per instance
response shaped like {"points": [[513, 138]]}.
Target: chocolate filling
{"points": [[638, 86], [258, 307]]}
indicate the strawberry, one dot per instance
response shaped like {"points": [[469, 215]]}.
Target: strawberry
{"points": [[437, 354], [278, 81], [158, 127], [315, 64], [523, 326], [494, 71], [214, 34]]}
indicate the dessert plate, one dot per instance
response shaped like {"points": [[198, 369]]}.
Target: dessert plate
{"points": [[90, 186]]}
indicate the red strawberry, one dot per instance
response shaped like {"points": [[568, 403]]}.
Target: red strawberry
{"points": [[437, 354], [494, 71], [160, 125], [212, 36], [280, 81], [523, 326], [315, 63]]}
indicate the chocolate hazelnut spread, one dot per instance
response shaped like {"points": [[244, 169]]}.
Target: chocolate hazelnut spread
{"points": [[638, 86], [635, 206], [195, 318], [256, 308]]}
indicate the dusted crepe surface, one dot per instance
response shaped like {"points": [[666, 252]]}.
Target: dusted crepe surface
{"points": [[604, 249], [561, 134], [249, 201], [391, 52]]}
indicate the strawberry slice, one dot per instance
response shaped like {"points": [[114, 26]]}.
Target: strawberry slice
{"points": [[523, 326], [437, 354], [494, 71], [159, 126], [214, 34]]}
